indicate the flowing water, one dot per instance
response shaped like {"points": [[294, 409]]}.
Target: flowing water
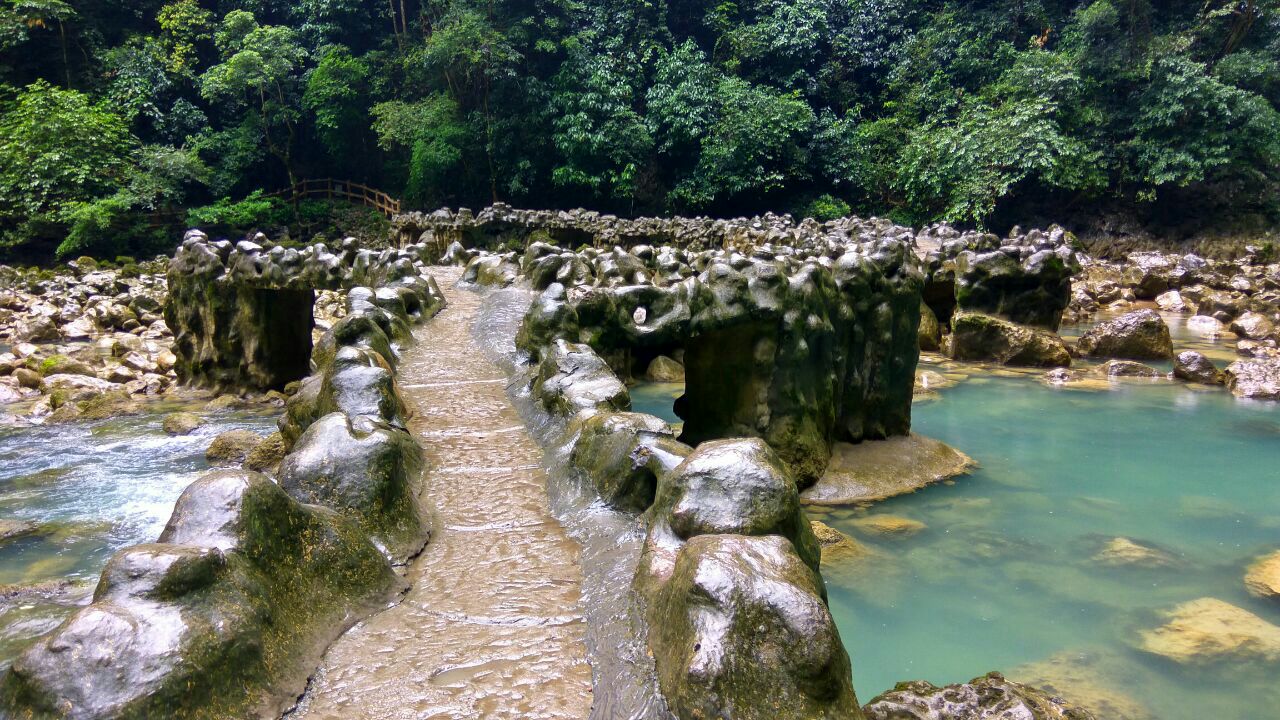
{"points": [[80, 492], [1003, 574]]}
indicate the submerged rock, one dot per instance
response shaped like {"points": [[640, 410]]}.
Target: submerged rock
{"points": [[1194, 367], [1209, 630], [990, 697], [1128, 368], [742, 631], [223, 617], [1259, 378], [986, 338], [836, 546], [1096, 682], [1140, 335], [888, 525], [1123, 552], [1263, 578]]}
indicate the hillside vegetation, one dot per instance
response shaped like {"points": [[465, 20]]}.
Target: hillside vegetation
{"points": [[124, 119]]}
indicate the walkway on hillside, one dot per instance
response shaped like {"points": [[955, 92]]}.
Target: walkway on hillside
{"points": [[491, 627]]}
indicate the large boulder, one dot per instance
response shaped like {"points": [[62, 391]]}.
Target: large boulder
{"points": [[989, 339], [1139, 335], [1258, 378], [624, 454], [366, 469], [736, 487], [225, 616], [742, 631], [990, 697], [1253, 326], [229, 449]]}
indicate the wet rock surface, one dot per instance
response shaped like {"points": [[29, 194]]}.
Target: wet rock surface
{"points": [[242, 313], [1194, 367], [732, 600], [1257, 378], [222, 616], [990, 697]]}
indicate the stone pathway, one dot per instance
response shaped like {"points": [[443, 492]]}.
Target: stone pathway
{"points": [[491, 627]]}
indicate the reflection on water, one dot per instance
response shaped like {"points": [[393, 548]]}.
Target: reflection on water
{"points": [[71, 495]]}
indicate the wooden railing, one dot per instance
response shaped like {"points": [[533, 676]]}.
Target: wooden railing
{"points": [[343, 190]]}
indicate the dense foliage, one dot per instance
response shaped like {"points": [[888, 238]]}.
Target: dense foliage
{"points": [[983, 112]]}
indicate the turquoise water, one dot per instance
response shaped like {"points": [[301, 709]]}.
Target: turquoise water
{"points": [[1003, 576], [88, 489]]}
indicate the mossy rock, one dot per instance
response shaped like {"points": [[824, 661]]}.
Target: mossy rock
{"points": [[225, 616]]}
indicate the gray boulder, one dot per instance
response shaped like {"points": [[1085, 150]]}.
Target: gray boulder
{"points": [[989, 339], [736, 487], [624, 454], [1258, 379], [1139, 335]]}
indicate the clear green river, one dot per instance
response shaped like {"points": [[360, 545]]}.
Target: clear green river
{"points": [[1003, 575]]}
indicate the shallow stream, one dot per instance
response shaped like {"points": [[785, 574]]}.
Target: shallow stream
{"points": [[73, 494]]}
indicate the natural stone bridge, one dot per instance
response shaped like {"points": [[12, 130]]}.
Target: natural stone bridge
{"points": [[794, 336]]}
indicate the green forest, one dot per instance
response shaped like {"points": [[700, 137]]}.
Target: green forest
{"points": [[124, 120]]}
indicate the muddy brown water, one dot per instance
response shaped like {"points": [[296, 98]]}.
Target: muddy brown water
{"points": [[492, 626]]}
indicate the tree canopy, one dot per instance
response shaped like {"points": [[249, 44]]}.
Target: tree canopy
{"points": [[980, 112]]}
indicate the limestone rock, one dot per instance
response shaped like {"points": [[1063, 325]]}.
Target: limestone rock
{"points": [[181, 423], [1139, 335], [725, 486], [1253, 326], [986, 338], [990, 697], [1194, 367], [223, 617], [230, 448], [265, 457], [879, 469], [1258, 379], [664, 369], [1208, 630], [743, 632], [28, 378], [930, 329], [1263, 577], [572, 378], [624, 454], [836, 546], [1128, 368], [365, 469]]}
